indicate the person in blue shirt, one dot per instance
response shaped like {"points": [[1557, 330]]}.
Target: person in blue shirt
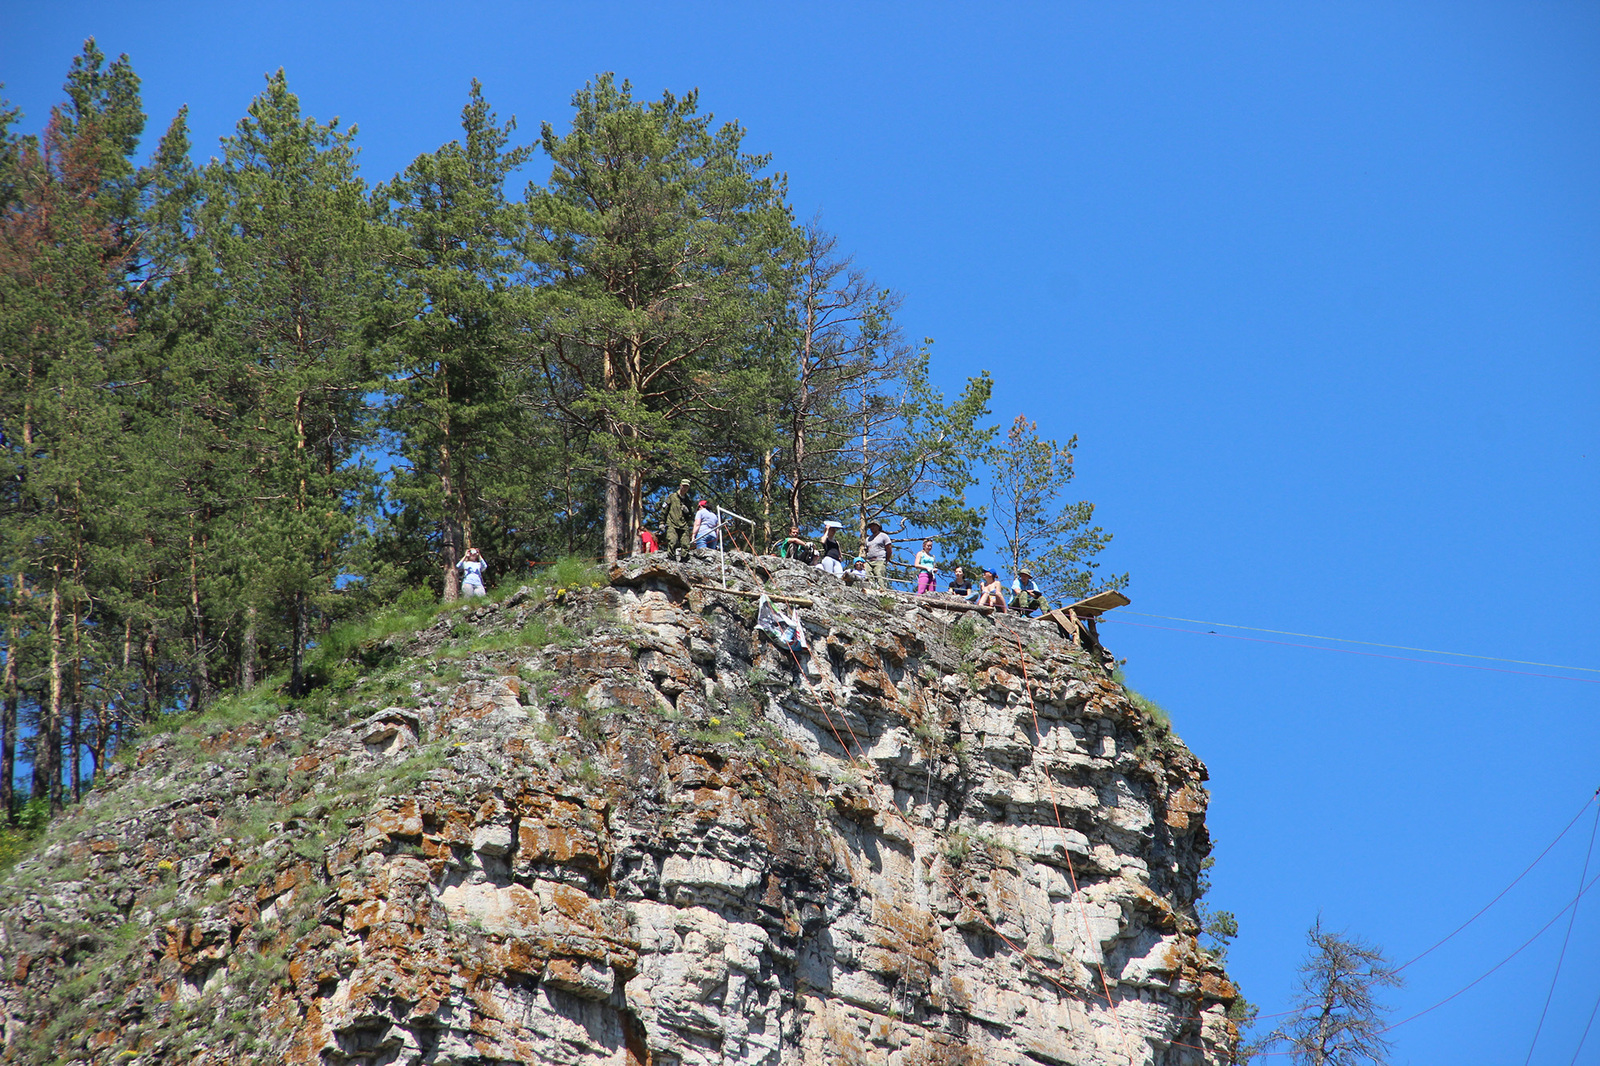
{"points": [[705, 526], [1026, 595]]}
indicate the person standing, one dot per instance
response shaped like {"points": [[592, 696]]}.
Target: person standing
{"points": [[472, 569], [647, 541], [878, 550], [676, 521], [829, 546], [927, 569], [706, 522]]}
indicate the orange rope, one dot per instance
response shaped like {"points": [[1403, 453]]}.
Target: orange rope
{"points": [[1072, 872]]}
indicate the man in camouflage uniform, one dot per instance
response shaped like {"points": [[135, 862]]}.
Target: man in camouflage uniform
{"points": [[677, 515]]}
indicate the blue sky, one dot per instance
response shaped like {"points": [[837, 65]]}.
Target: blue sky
{"points": [[1315, 285]]}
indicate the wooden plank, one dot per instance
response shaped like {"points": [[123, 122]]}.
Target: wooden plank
{"points": [[1099, 603], [803, 601], [929, 604]]}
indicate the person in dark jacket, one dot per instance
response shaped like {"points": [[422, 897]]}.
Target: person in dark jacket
{"points": [[677, 519]]}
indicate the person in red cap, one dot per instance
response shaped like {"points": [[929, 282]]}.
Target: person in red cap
{"points": [[705, 526]]}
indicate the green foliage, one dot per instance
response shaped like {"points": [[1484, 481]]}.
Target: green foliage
{"points": [[1052, 539], [571, 572], [19, 840], [1157, 733], [199, 365], [654, 245]]}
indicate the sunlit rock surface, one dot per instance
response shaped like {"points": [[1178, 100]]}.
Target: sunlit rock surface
{"points": [[618, 825]]}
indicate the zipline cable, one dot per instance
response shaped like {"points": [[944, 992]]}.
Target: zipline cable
{"points": [[1368, 643], [1484, 909], [1560, 958], [1592, 1011], [1352, 651], [1542, 929]]}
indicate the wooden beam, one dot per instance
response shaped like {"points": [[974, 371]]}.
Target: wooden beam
{"points": [[1099, 603], [803, 601], [951, 605]]}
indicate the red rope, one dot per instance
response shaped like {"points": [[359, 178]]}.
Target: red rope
{"points": [[1072, 872]]}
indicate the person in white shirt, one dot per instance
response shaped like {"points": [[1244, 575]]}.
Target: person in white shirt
{"points": [[472, 569]]}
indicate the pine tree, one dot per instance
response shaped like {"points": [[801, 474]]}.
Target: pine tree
{"points": [[658, 244], [1050, 538], [296, 251], [452, 418], [846, 351], [1337, 1019], [63, 255]]}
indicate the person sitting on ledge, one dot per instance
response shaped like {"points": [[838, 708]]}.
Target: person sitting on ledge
{"points": [[992, 594], [960, 586], [795, 547], [858, 574], [1026, 595]]}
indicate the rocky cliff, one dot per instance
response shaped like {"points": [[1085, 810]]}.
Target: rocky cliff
{"points": [[618, 824]]}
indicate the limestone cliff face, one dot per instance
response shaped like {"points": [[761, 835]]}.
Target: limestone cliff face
{"points": [[618, 825]]}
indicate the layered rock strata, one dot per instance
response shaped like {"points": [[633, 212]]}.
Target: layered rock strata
{"points": [[619, 825]]}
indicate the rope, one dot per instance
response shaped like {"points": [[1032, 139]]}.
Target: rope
{"points": [[1502, 962], [1083, 912], [821, 703], [1586, 1026], [1484, 909], [1369, 654], [1368, 643], [1565, 940]]}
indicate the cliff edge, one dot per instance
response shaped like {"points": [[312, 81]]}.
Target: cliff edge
{"points": [[620, 824]]}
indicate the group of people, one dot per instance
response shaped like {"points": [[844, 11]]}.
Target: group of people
{"points": [[682, 528], [1026, 596]]}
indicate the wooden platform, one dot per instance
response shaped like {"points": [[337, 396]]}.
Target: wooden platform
{"points": [[1071, 617]]}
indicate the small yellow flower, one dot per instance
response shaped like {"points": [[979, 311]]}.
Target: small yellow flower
{"points": [[164, 865], [739, 735], [716, 721]]}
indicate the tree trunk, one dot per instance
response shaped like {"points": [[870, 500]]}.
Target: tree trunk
{"points": [[101, 736], [450, 507], [614, 509], [152, 674], [8, 712], [297, 651], [46, 767], [201, 688], [766, 499], [247, 652], [75, 747], [8, 752]]}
